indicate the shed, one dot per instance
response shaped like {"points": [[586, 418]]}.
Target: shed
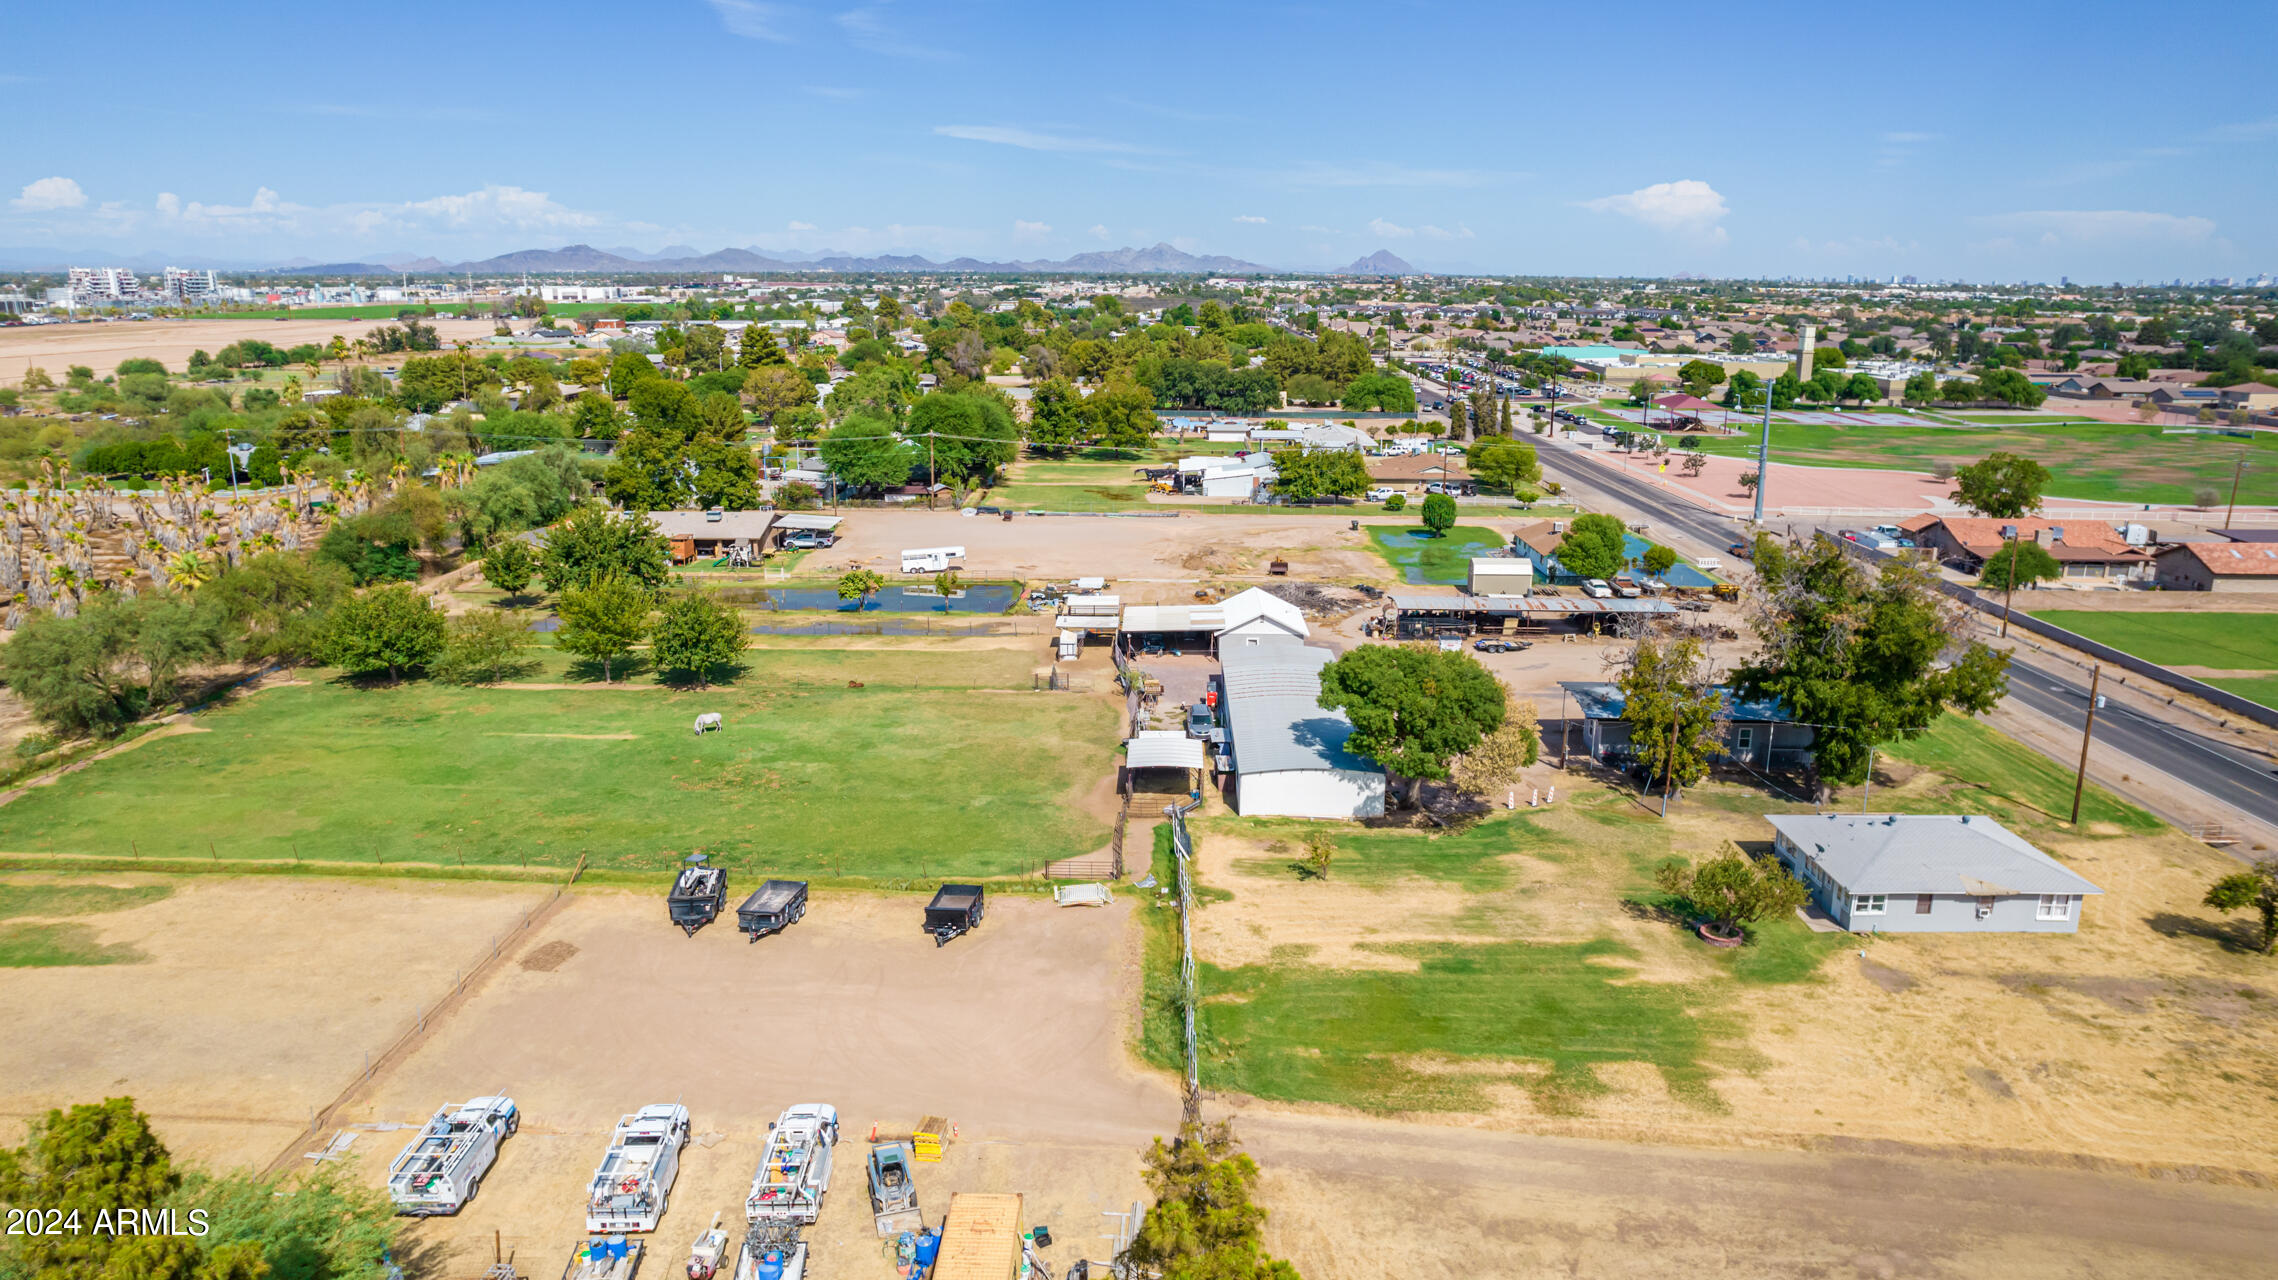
{"points": [[1288, 754], [1501, 576], [1758, 733]]}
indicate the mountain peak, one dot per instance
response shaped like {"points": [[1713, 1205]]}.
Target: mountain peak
{"points": [[1383, 262]]}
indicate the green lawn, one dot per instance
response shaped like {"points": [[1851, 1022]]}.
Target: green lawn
{"points": [[44, 944], [1419, 557], [930, 769], [2237, 640], [2097, 461], [1987, 768], [2263, 689]]}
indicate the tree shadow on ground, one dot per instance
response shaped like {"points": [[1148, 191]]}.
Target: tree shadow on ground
{"points": [[2240, 936], [620, 669], [720, 674]]}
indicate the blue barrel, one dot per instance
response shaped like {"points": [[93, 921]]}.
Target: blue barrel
{"points": [[770, 1265], [617, 1248]]}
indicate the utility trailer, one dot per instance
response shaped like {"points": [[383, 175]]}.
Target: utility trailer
{"points": [[698, 897], [893, 1189], [955, 909], [774, 907], [604, 1258], [440, 1170], [630, 1188], [795, 1170], [772, 1253]]}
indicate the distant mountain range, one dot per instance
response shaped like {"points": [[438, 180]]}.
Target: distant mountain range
{"points": [[584, 259]]}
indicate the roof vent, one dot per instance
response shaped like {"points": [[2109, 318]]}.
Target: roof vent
{"points": [[1965, 819]]}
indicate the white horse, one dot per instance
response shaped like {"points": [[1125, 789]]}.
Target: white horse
{"points": [[708, 721]]}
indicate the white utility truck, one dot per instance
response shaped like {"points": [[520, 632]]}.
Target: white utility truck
{"points": [[630, 1187], [442, 1167], [795, 1171]]}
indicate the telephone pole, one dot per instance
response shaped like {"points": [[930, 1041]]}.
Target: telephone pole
{"points": [[2009, 593], [2236, 471], [1764, 457], [2087, 731]]}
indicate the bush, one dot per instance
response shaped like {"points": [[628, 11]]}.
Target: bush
{"points": [[2205, 497], [482, 647], [1732, 889], [1397, 502]]}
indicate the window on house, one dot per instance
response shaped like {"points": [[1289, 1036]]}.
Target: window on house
{"points": [[1744, 738], [1868, 904], [1922, 903], [2056, 906]]}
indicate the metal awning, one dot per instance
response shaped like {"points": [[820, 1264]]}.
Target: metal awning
{"points": [[1164, 749], [807, 520]]}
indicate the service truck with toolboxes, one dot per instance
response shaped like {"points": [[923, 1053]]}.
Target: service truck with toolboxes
{"points": [[443, 1166], [635, 1177], [795, 1170]]}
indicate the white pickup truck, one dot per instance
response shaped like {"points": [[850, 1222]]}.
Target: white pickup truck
{"points": [[795, 1170], [443, 1167], [635, 1177]]}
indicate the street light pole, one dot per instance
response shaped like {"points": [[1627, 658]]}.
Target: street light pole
{"points": [[1763, 457], [2009, 591]]}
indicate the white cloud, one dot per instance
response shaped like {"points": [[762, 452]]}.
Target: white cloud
{"points": [[1387, 175], [497, 206], [1023, 230], [1250, 218], [1327, 231], [1390, 230], [867, 28], [751, 19], [1099, 232], [168, 204], [2106, 226], [1034, 140], [50, 193], [796, 225], [1689, 207]]}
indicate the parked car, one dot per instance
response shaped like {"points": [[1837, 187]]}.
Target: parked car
{"points": [[1626, 589], [1381, 495], [809, 540], [1200, 720], [1598, 589], [1493, 645]]}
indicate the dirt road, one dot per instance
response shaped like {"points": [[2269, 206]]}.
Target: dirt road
{"points": [[56, 347]]}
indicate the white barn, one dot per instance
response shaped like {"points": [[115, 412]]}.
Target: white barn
{"points": [[1286, 751]]}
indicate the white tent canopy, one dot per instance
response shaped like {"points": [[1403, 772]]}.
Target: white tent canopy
{"points": [[1164, 749]]}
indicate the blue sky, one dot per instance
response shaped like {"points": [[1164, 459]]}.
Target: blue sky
{"points": [[1987, 141]]}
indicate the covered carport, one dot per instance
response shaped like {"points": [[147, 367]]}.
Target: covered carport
{"points": [[790, 522], [1164, 761]]}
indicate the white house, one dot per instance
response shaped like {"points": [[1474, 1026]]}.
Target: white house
{"points": [[1257, 614]]}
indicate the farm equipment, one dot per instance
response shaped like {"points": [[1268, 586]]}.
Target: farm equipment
{"points": [[774, 907], [698, 896], [955, 909], [604, 1258], [710, 1252], [442, 1168], [771, 1253], [893, 1189], [795, 1170], [1725, 591], [630, 1188]]}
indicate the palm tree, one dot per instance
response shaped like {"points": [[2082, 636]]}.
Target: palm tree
{"points": [[188, 571]]}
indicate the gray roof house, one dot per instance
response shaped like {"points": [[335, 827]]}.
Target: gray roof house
{"points": [[1285, 750], [1928, 873]]}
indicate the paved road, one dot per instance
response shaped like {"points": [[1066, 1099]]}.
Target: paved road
{"points": [[2241, 779]]}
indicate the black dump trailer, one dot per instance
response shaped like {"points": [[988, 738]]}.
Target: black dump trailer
{"points": [[955, 909], [774, 907], [698, 897]]}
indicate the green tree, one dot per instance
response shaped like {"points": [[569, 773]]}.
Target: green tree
{"points": [[172, 632], [969, 435], [509, 565], [1121, 414], [1384, 391], [1203, 1224], [390, 628], [1658, 560], [776, 388], [2256, 888], [1732, 890], [2001, 485], [861, 585], [604, 620], [1502, 463], [1861, 388], [324, 1224], [1056, 419], [1495, 763], [1414, 708], [1671, 706], [1922, 388], [482, 645], [1595, 546], [593, 543], [946, 584], [96, 1158], [1439, 513], [1862, 658], [758, 349], [1699, 377], [1305, 473], [2033, 564], [697, 634], [863, 452]]}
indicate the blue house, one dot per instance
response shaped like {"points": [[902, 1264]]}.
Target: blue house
{"points": [[1928, 873], [1760, 733]]}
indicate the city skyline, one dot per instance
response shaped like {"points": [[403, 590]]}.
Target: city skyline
{"points": [[1008, 132]]}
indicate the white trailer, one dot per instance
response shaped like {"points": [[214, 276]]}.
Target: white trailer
{"points": [[442, 1168], [635, 1177], [930, 559], [795, 1171]]}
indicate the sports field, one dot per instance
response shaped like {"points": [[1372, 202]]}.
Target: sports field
{"points": [[2242, 646], [886, 765], [2093, 461]]}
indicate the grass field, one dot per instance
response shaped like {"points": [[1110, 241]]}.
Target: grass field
{"points": [[1419, 557], [931, 768], [2237, 640], [42, 942], [2262, 689], [2096, 461]]}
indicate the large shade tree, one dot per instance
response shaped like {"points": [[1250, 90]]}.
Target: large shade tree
{"points": [[1414, 708]]}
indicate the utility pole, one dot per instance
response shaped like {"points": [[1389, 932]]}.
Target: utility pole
{"points": [[1669, 766], [2087, 731], [2009, 593], [2236, 471], [1764, 457]]}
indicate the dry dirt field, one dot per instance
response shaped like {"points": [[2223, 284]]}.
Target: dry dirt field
{"points": [[257, 1003], [56, 347]]}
